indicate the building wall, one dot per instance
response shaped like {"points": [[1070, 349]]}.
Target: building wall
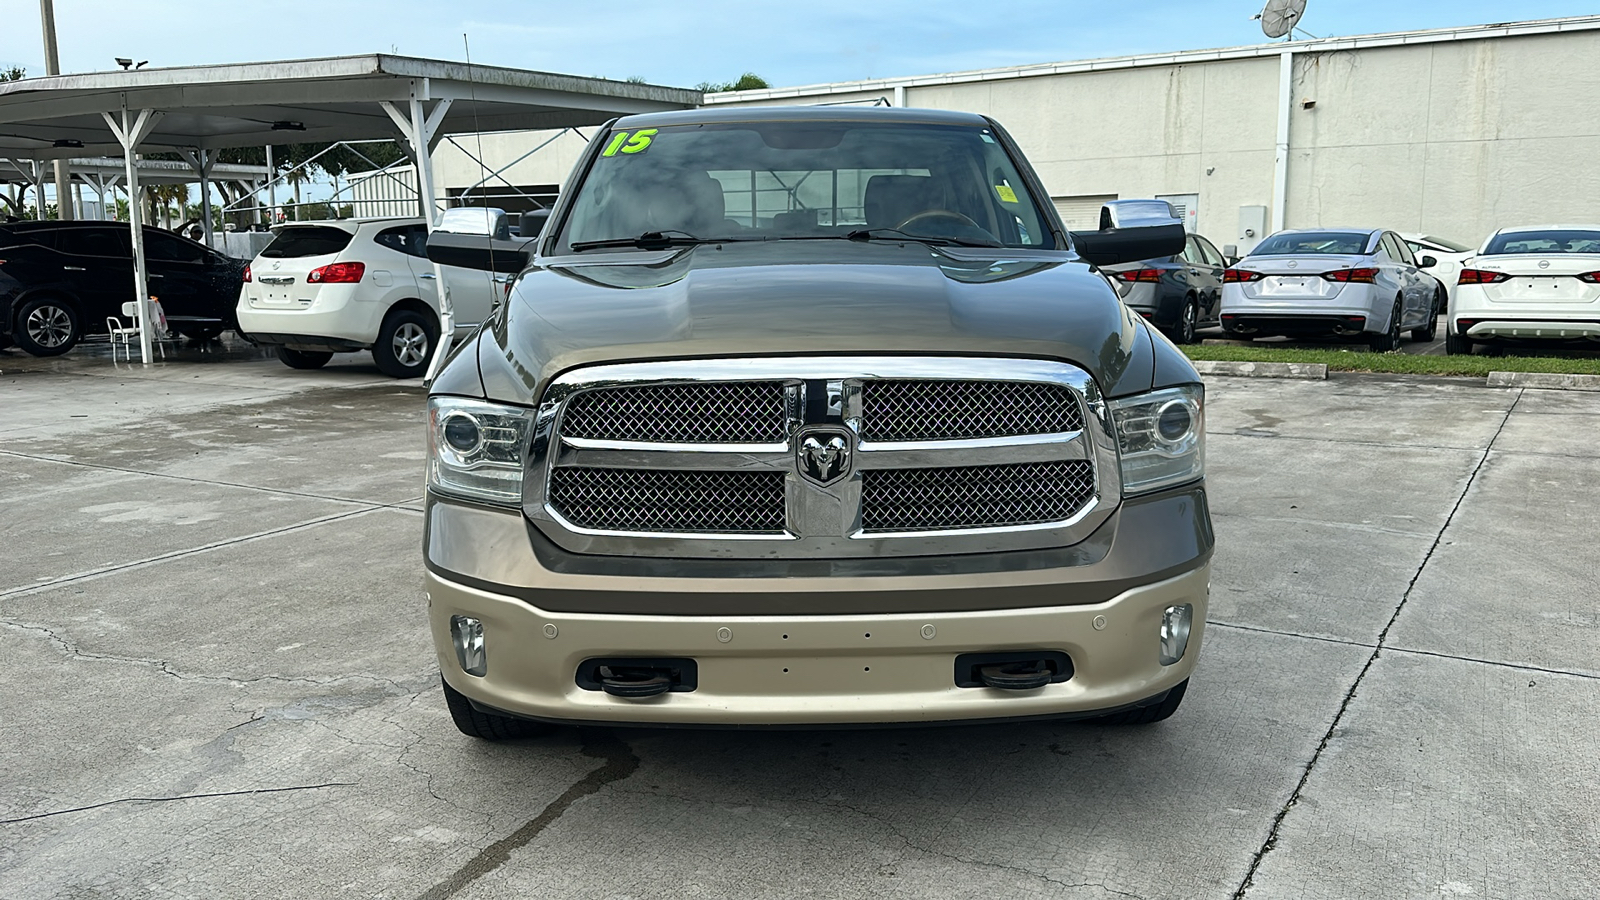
{"points": [[1452, 137]]}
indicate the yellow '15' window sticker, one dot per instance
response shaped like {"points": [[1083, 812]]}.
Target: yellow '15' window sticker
{"points": [[1007, 195], [623, 142]]}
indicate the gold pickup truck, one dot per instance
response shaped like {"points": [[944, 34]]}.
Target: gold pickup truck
{"points": [[812, 417]]}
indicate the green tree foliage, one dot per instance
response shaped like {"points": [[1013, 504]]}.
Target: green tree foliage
{"points": [[749, 81], [14, 73]]}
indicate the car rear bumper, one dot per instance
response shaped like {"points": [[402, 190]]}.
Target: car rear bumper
{"points": [[335, 317], [1548, 328], [1319, 322], [818, 670]]}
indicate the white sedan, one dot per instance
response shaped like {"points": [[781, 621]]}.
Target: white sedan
{"points": [[1448, 256], [1534, 284]]}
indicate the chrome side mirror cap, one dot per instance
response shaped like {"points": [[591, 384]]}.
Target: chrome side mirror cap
{"points": [[487, 221], [1137, 214]]}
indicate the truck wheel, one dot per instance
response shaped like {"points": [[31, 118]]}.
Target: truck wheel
{"points": [[304, 359], [46, 327], [405, 344], [1148, 715], [486, 726], [1389, 341]]}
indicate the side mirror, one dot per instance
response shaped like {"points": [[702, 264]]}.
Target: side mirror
{"points": [[532, 223], [478, 238], [1230, 252], [476, 220], [1427, 262], [1132, 230]]}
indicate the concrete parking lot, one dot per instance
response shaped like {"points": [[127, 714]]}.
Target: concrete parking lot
{"points": [[217, 681]]}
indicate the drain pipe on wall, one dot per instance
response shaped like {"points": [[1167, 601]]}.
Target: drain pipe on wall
{"points": [[1280, 175]]}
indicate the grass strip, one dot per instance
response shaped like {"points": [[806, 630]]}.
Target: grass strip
{"points": [[1398, 363]]}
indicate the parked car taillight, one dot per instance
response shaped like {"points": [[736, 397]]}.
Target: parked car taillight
{"points": [[338, 273], [246, 274], [1479, 276], [1233, 276], [1147, 275], [1591, 277], [1361, 276]]}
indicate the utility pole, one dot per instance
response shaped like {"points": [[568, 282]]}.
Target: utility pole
{"points": [[52, 66]]}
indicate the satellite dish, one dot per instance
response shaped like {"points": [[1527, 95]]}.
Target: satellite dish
{"points": [[1279, 17]]}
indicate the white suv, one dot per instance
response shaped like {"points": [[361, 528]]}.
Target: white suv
{"points": [[360, 284]]}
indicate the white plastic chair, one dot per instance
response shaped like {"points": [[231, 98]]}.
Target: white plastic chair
{"points": [[129, 336]]}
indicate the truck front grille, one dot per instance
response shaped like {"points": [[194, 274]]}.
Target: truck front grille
{"points": [[669, 500], [904, 409], [974, 496], [822, 457], [705, 412]]}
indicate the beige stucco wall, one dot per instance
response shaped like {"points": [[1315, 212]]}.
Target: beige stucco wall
{"points": [[1455, 138]]}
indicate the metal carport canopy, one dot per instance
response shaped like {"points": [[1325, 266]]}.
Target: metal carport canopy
{"points": [[196, 110]]}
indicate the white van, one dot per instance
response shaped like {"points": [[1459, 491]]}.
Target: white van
{"points": [[359, 284]]}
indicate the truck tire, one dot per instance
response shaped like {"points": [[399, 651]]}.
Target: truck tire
{"points": [[1148, 715], [304, 359], [405, 344], [46, 326], [486, 726]]}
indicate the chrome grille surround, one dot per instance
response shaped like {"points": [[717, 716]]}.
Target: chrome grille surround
{"points": [[825, 520]]}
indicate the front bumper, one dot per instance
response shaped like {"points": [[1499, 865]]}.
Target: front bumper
{"points": [[818, 670], [819, 642]]}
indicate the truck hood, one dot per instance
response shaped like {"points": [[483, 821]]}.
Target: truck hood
{"points": [[808, 297]]}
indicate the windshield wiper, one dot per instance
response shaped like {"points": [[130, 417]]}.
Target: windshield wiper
{"points": [[650, 240], [895, 234]]}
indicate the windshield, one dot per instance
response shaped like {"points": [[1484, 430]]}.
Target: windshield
{"points": [[805, 180], [1563, 240], [1314, 243]]}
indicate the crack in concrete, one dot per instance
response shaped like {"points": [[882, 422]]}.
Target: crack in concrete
{"points": [[1271, 842], [166, 668], [95, 574], [278, 790], [1493, 663], [302, 495], [620, 762]]}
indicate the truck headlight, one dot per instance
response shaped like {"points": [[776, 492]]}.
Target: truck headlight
{"points": [[475, 449], [1162, 438]]}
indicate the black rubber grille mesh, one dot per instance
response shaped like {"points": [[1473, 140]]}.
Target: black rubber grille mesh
{"points": [[928, 410], [669, 500], [974, 496], [705, 412]]}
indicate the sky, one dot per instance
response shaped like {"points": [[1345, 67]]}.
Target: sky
{"points": [[686, 43]]}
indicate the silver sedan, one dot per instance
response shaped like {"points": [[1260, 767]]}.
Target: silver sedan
{"points": [[1315, 283]]}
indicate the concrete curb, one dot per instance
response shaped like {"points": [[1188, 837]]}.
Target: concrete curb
{"points": [[1307, 371], [1548, 381]]}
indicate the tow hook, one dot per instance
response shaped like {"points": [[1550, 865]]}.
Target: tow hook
{"points": [[1017, 676], [619, 681]]}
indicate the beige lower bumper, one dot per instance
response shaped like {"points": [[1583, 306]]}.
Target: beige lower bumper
{"points": [[817, 670]]}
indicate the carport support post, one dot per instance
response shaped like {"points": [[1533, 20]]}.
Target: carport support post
{"points": [[201, 160], [130, 133], [423, 133]]}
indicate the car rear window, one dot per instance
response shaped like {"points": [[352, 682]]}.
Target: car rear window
{"points": [[307, 240], [1565, 240], [1314, 243]]}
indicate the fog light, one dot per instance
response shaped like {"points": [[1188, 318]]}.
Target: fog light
{"points": [[467, 634], [1174, 632]]}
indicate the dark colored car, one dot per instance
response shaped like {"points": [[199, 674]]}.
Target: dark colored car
{"points": [[61, 280], [1177, 293]]}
